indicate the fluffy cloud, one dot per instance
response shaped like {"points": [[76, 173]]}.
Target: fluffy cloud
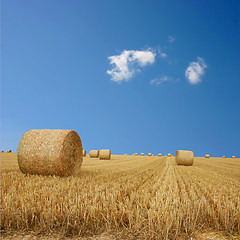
{"points": [[128, 62], [158, 81], [195, 71]]}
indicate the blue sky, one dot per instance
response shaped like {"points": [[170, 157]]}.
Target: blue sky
{"points": [[132, 76]]}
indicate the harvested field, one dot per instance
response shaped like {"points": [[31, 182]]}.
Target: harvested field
{"points": [[138, 196]]}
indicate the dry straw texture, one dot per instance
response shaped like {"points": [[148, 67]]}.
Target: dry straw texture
{"points": [[224, 156], [207, 156], [169, 154], [105, 154], [94, 154], [184, 157], [233, 156], [50, 152], [142, 154], [84, 153], [9, 151], [149, 154], [159, 154]]}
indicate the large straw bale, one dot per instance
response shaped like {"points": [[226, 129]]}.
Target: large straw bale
{"points": [[149, 154], [9, 151], [224, 156], [233, 156], [169, 154], [105, 154], [142, 154], [94, 154], [159, 154], [50, 152], [207, 156], [184, 157], [84, 152]]}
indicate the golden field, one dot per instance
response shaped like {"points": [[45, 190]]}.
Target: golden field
{"points": [[138, 196]]}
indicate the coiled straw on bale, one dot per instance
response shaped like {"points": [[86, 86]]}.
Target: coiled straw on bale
{"points": [[149, 154], [84, 153], [9, 151], [159, 154], [207, 156], [94, 154], [50, 152], [105, 154], [169, 154], [142, 154], [184, 157]]}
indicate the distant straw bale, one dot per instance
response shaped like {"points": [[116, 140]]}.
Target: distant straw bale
{"points": [[125, 154], [233, 156], [9, 151], [84, 152], [135, 154], [149, 154], [169, 155], [2, 151], [94, 154], [207, 156], [153, 155], [184, 157], [50, 152], [105, 154], [224, 156], [142, 154], [159, 154]]}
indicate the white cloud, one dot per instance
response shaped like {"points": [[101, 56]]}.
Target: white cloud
{"points": [[171, 39], [128, 62], [195, 71], [158, 81]]}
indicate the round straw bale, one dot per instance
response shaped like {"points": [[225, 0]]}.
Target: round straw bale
{"points": [[159, 154], [207, 156], [9, 151], [94, 154], [84, 153], [50, 152], [224, 156], [2, 151], [149, 154], [105, 154], [184, 157], [135, 154], [233, 156], [169, 154], [142, 154]]}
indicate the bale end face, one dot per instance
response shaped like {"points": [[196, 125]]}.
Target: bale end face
{"points": [[105, 154], [184, 157]]}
